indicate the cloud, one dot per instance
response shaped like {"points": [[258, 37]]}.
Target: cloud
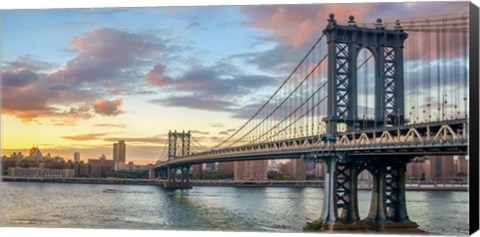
{"points": [[156, 77], [222, 79], [85, 137], [108, 108], [294, 28], [108, 125], [106, 61], [217, 125], [199, 132], [18, 78], [28, 62], [28, 95], [195, 102], [220, 87], [226, 132], [158, 139]]}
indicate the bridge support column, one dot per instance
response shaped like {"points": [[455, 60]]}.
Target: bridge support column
{"points": [[388, 210], [347, 192], [341, 193], [173, 183], [378, 209], [329, 212]]}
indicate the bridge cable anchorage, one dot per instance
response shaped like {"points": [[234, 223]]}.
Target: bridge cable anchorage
{"points": [[274, 94]]}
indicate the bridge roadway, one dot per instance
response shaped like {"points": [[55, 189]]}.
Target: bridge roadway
{"points": [[433, 138]]}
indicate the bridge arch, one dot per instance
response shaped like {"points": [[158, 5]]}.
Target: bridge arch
{"points": [[366, 74], [364, 192], [344, 43]]}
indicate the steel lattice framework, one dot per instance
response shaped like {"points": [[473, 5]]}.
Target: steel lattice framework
{"points": [[344, 44]]}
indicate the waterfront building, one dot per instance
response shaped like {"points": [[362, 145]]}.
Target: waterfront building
{"points": [[417, 169], [100, 167], [439, 168], [196, 171], [251, 170], [119, 155], [295, 168], [35, 154], [76, 157], [131, 166], [40, 172], [225, 167], [320, 170], [7, 163], [461, 165], [210, 167]]}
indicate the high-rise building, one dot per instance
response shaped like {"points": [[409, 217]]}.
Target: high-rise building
{"points": [[251, 170], [119, 153], [76, 157]]}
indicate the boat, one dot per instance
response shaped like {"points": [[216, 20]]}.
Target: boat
{"points": [[111, 190]]}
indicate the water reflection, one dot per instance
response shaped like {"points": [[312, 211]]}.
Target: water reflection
{"points": [[203, 208]]}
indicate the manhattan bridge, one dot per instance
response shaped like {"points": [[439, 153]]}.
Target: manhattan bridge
{"points": [[366, 96]]}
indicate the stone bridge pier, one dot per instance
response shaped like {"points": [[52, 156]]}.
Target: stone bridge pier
{"points": [[388, 210]]}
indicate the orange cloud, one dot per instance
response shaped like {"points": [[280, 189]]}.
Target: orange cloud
{"points": [[108, 108], [85, 137]]}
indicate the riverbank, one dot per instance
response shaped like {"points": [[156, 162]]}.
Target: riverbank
{"points": [[222, 183]]}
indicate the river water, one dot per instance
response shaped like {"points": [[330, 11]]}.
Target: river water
{"points": [[276, 209]]}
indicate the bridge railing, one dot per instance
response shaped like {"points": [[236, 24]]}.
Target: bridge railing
{"points": [[447, 133]]}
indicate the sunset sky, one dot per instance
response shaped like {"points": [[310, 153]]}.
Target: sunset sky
{"points": [[82, 79]]}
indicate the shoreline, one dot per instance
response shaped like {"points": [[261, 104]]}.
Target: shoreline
{"points": [[222, 183]]}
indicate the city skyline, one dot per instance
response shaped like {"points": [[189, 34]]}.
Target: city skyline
{"points": [[133, 74]]}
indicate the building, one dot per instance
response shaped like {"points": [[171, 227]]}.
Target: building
{"points": [[35, 154], [295, 168], [40, 172], [100, 167], [210, 167], [299, 169], [225, 167], [461, 165], [197, 171], [131, 166], [119, 155], [417, 169], [76, 157], [251, 170], [440, 168], [81, 169]]}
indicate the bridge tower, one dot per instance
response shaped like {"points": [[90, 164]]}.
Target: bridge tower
{"points": [[174, 138], [178, 140], [386, 46], [387, 208]]}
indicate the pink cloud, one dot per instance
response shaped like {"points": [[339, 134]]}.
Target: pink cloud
{"points": [[157, 77]]}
